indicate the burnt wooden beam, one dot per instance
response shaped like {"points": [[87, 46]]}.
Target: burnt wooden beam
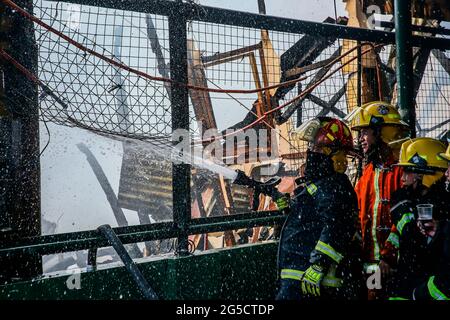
{"points": [[197, 190], [439, 125], [331, 105], [302, 54], [224, 55], [306, 50], [152, 35], [299, 109], [201, 100], [104, 183], [387, 69], [226, 60], [295, 72], [318, 76]]}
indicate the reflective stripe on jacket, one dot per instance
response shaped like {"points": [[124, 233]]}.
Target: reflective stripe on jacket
{"points": [[320, 226], [330, 279], [423, 263], [437, 285], [374, 190]]}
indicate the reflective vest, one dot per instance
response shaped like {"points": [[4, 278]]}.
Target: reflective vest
{"points": [[374, 190]]}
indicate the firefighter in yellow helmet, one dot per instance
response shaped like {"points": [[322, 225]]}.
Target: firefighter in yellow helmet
{"points": [[420, 231], [384, 119], [379, 125]]}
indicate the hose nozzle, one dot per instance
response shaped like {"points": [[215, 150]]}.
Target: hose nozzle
{"points": [[244, 180], [267, 188]]}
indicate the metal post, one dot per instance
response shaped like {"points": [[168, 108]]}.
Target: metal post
{"points": [[359, 76], [19, 143], [300, 109], [181, 173], [92, 258], [405, 77], [359, 102]]}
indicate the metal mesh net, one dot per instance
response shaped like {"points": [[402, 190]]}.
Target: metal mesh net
{"points": [[114, 91], [90, 92]]}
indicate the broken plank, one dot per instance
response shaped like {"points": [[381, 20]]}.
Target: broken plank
{"points": [[220, 56]]}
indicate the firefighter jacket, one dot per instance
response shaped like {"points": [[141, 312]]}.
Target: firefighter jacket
{"points": [[321, 223], [420, 258], [374, 190], [436, 285]]}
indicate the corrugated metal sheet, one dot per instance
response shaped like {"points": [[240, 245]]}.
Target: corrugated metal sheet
{"points": [[145, 182], [146, 186], [241, 198]]}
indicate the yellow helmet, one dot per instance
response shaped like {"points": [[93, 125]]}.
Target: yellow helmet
{"points": [[376, 113], [423, 155], [380, 114]]}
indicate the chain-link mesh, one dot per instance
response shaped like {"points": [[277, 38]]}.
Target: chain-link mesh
{"points": [[92, 92], [88, 91], [95, 94]]}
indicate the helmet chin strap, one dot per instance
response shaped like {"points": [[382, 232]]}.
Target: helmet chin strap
{"points": [[447, 186]]}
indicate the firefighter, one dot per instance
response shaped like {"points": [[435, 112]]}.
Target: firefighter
{"points": [[423, 185], [322, 220], [379, 126]]}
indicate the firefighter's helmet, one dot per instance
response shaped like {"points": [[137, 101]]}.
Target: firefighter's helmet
{"points": [[423, 155], [330, 134], [379, 114]]}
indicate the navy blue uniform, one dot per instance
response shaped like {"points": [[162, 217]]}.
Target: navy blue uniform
{"points": [[319, 229], [423, 263]]}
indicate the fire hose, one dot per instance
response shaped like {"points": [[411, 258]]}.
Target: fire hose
{"points": [[267, 188]]}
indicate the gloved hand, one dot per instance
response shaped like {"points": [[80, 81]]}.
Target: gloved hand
{"points": [[311, 280], [282, 203]]}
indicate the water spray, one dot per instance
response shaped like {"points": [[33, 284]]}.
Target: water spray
{"points": [[238, 177]]}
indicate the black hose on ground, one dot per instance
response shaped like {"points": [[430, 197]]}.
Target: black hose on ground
{"points": [[131, 267]]}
